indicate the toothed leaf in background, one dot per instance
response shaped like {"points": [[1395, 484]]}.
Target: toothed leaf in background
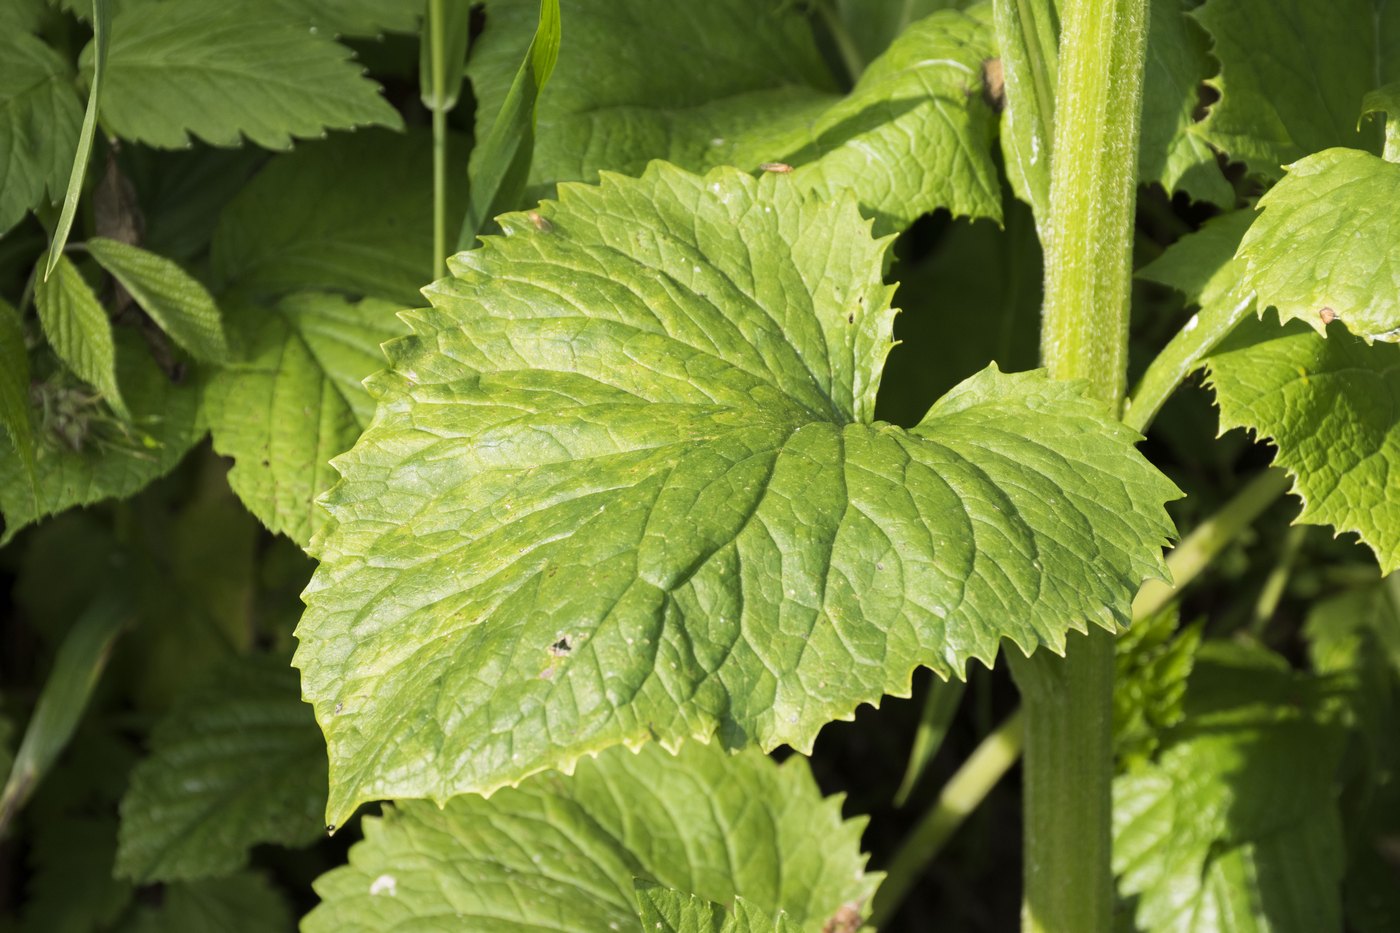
{"points": [[1326, 245], [40, 115], [237, 763], [1327, 405], [359, 18], [623, 484], [670, 911], [182, 307], [84, 454], [914, 134], [296, 401], [14, 389], [1292, 75], [303, 222], [209, 69], [77, 328], [1235, 826], [562, 853]]}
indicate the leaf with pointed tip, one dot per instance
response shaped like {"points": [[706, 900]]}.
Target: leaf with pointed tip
{"points": [[1327, 405], [296, 401], [78, 330], [562, 853], [1292, 75], [624, 483], [40, 115], [912, 136], [1236, 825], [84, 455], [1326, 245], [209, 69], [181, 306], [670, 911], [237, 763]]}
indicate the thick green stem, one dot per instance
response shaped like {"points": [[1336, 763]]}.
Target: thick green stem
{"points": [[434, 34], [1088, 269]]}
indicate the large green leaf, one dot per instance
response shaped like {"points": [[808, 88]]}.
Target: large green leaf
{"points": [[305, 221], [1236, 826], [354, 17], [1327, 244], [623, 483], [209, 69], [238, 763], [1292, 75], [40, 115], [1329, 407], [670, 911], [561, 853], [84, 455], [169, 294], [626, 91], [78, 330], [296, 400]]}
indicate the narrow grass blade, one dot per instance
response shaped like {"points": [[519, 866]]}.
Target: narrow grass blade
{"points": [[503, 162], [941, 705], [442, 59], [101, 23]]}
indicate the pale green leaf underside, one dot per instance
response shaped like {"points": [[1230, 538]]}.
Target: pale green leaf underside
{"points": [[1235, 827], [39, 118], [1292, 76], [170, 295], [1326, 244], [623, 483], [1330, 407], [237, 764], [77, 328], [670, 911], [562, 853], [914, 134], [115, 460], [208, 69], [296, 400]]}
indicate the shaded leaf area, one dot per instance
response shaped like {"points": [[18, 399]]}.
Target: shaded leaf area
{"points": [[295, 400], [672, 911], [913, 135], [1330, 407], [1235, 825], [1326, 245], [562, 853], [1154, 660], [1293, 74], [237, 763], [40, 115], [623, 484], [85, 454], [210, 70]]}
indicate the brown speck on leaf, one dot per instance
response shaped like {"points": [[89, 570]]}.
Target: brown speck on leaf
{"points": [[542, 225], [1327, 315], [781, 168], [561, 648], [850, 319], [993, 84], [845, 920]]}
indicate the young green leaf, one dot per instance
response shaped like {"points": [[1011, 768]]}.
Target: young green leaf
{"points": [[1326, 405], [1326, 245], [1292, 73], [1153, 662], [169, 294], [303, 222], [562, 853], [79, 331], [239, 762], [670, 911], [623, 484], [40, 117], [296, 401], [83, 454], [1236, 826], [501, 164], [14, 388], [207, 68], [626, 93], [1028, 35]]}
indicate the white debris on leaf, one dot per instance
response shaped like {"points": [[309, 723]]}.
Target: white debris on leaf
{"points": [[384, 884]]}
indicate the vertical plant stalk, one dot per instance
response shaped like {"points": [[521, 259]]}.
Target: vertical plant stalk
{"points": [[442, 58], [1088, 268]]}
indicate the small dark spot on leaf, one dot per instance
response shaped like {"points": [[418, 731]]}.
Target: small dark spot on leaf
{"points": [[561, 648], [330, 829], [267, 463], [850, 319]]}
